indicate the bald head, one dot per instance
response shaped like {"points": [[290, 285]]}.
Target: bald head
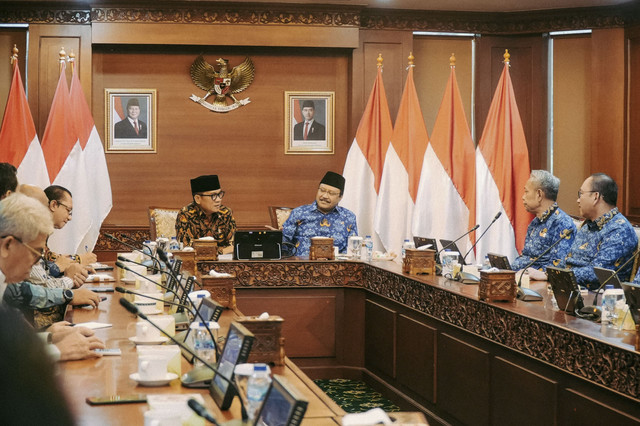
{"points": [[34, 192]]}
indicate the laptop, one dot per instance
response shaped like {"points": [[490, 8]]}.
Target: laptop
{"points": [[607, 275], [451, 246], [565, 289], [421, 241], [257, 245], [499, 261]]}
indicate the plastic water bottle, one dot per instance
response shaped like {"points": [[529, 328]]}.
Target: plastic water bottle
{"points": [[368, 244], [407, 245], [609, 299], [608, 305], [203, 344], [257, 388], [174, 245]]}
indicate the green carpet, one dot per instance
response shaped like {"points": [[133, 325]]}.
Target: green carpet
{"points": [[354, 396]]}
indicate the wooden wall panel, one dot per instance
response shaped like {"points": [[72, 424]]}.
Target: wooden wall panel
{"points": [[535, 402], [571, 116], [45, 42], [529, 77], [309, 325], [608, 105], [463, 380], [633, 138], [380, 338], [244, 147], [395, 47], [415, 363]]}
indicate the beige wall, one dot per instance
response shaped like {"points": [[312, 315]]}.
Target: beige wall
{"points": [[572, 115], [432, 73]]}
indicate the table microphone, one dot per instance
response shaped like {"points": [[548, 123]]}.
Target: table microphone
{"points": [[164, 258], [197, 312], [134, 248], [455, 241], [526, 294], [134, 310], [482, 235], [200, 410]]}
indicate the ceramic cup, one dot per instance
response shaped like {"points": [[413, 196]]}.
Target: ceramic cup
{"points": [[152, 367], [145, 332]]}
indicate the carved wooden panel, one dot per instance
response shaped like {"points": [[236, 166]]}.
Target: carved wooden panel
{"points": [[577, 408]]}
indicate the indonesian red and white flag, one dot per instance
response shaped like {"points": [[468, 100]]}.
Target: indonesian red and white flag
{"points": [[446, 203], [66, 165], [98, 182], [502, 169], [401, 173], [19, 144], [365, 160]]}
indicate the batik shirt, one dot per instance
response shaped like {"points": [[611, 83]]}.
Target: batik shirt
{"points": [[193, 223], [543, 232], [307, 221], [607, 242]]}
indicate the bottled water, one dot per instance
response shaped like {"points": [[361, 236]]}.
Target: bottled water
{"points": [[407, 245], [368, 244], [174, 245], [257, 388], [203, 344]]}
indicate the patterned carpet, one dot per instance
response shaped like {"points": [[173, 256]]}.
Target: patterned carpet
{"points": [[354, 396]]}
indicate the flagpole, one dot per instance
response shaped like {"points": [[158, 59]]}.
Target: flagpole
{"points": [[72, 60], [14, 56], [63, 59]]}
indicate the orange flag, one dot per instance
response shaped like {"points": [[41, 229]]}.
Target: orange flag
{"points": [[502, 169], [401, 174], [19, 143], [365, 160]]}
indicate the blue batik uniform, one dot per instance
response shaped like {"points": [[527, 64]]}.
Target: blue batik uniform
{"points": [[607, 242], [307, 221], [543, 232]]}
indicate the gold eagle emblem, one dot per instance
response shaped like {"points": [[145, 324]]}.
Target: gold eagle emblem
{"points": [[222, 83]]}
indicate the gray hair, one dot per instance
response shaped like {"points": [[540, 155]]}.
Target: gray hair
{"points": [[24, 218], [547, 182]]}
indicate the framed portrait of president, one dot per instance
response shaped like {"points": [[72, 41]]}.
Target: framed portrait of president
{"points": [[309, 122], [130, 120]]}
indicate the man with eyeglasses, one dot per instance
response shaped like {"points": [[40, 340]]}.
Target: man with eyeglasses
{"points": [[322, 218], [25, 225], [205, 216], [605, 239]]}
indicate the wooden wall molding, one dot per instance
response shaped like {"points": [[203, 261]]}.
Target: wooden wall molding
{"points": [[328, 15]]}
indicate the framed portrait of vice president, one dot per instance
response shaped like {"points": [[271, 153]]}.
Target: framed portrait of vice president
{"points": [[309, 122], [130, 120]]}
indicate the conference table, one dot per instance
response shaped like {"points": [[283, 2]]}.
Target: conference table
{"points": [[109, 375]]}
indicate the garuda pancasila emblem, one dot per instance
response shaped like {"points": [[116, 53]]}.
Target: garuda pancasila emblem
{"points": [[221, 84]]}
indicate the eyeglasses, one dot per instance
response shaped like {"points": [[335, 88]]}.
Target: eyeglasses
{"points": [[329, 193], [584, 192], [39, 254], [69, 209], [216, 196]]}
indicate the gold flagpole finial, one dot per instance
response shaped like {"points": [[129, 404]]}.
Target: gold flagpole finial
{"points": [[411, 58], [14, 56], [452, 60], [379, 60], [72, 59], [506, 56], [63, 57]]}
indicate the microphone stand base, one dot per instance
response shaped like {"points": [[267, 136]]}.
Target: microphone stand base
{"points": [[528, 295], [198, 377]]}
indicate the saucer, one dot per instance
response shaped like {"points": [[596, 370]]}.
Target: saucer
{"points": [[154, 382], [157, 341]]}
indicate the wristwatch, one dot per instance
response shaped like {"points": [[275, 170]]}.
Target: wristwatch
{"points": [[68, 295]]}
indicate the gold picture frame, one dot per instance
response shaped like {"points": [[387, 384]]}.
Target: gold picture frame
{"points": [[315, 137], [135, 134]]}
